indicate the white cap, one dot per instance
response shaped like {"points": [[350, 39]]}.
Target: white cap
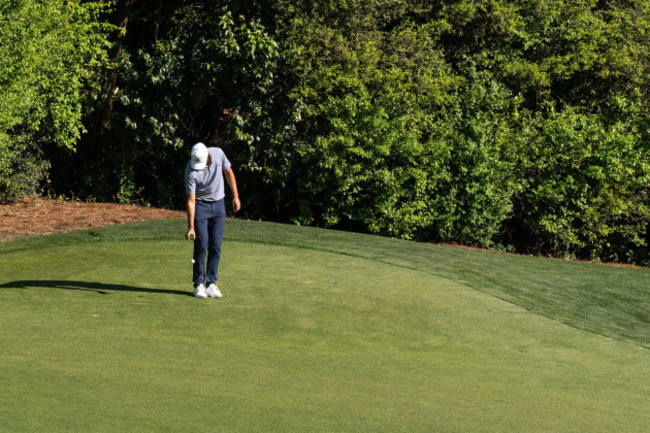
{"points": [[199, 156]]}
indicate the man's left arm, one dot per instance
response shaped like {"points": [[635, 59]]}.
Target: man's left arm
{"points": [[232, 183]]}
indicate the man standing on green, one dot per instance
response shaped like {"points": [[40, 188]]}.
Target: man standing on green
{"points": [[206, 213]]}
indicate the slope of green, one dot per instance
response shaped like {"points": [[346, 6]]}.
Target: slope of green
{"points": [[317, 331]]}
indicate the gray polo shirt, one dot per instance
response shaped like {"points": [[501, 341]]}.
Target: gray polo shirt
{"points": [[207, 184]]}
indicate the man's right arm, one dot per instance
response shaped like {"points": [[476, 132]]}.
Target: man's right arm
{"points": [[190, 206]]}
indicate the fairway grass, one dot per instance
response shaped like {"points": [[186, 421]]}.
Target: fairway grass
{"points": [[318, 331]]}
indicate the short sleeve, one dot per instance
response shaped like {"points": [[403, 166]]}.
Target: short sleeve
{"points": [[225, 164], [190, 183]]}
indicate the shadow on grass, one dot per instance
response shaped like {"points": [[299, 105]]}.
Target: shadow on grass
{"points": [[87, 286]]}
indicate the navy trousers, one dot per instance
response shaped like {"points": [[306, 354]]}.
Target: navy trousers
{"points": [[209, 222]]}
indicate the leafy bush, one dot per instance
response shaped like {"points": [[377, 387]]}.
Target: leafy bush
{"points": [[21, 170], [48, 52], [386, 139], [586, 187], [474, 165]]}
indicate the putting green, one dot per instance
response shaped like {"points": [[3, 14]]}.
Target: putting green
{"points": [[100, 333]]}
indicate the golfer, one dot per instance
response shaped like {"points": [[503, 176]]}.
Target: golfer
{"points": [[206, 213]]}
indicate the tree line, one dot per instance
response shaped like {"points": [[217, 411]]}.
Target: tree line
{"points": [[519, 125]]}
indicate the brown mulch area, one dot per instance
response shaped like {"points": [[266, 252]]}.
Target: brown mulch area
{"points": [[38, 216]]}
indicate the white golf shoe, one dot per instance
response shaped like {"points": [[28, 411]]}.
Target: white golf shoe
{"points": [[213, 291], [199, 291]]}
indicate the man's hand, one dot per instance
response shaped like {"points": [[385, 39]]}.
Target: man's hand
{"points": [[190, 234], [236, 204]]}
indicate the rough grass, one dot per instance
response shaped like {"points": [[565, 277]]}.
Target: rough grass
{"points": [[317, 331]]}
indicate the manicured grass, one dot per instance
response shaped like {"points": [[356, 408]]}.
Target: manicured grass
{"points": [[317, 331]]}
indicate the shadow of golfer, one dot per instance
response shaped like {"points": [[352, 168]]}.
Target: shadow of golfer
{"points": [[87, 286]]}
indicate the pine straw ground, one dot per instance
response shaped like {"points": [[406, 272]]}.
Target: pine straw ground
{"points": [[34, 216]]}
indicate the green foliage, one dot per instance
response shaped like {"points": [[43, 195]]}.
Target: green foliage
{"points": [[587, 187], [473, 164], [388, 139], [21, 170], [209, 68], [574, 52], [428, 123], [511, 124], [203, 78], [354, 120], [48, 52]]}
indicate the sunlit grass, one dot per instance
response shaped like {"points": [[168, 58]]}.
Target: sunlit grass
{"points": [[317, 331]]}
